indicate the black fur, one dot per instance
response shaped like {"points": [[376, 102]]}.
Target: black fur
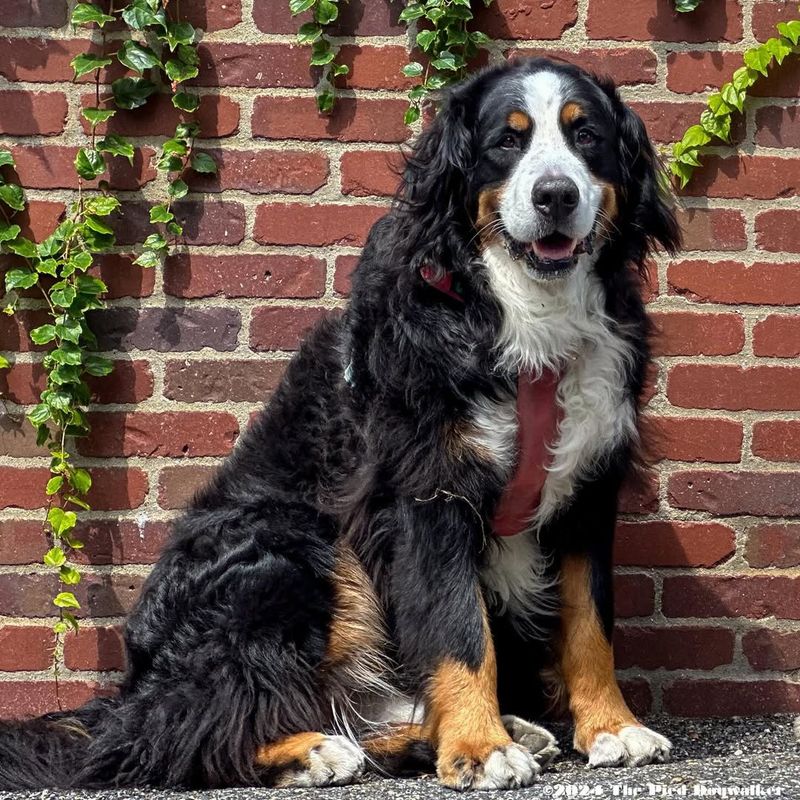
{"points": [[225, 644]]}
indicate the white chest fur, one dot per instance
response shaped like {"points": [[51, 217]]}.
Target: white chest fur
{"points": [[561, 325]]}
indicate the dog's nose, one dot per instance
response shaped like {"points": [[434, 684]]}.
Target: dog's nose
{"points": [[556, 198]]}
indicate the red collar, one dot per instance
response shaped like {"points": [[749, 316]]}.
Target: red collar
{"points": [[447, 283]]}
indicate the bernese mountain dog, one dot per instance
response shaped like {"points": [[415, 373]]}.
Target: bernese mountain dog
{"points": [[413, 540]]}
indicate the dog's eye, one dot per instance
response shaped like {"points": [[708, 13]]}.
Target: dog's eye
{"points": [[508, 142], [585, 136]]}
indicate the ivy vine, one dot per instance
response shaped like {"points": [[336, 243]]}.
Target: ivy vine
{"points": [[715, 121], [162, 55], [685, 6]]}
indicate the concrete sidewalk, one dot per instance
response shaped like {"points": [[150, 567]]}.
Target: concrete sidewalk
{"points": [[741, 757]]}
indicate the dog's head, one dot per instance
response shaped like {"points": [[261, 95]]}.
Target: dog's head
{"points": [[544, 159]]}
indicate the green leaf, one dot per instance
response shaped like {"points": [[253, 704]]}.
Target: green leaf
{"points": [[54, 557], [98, 366], [62, 295], [69, 329], [791, 30], [88, 284], [96, 116], [138, 16], [53, 485], [413, 70], [203, 162], [8, 231], [43, 334], [479, 38], [299, 6], [174, 228], [325, 101], [39, 414], [87, 62], [20, 279], [69, 575], [4, 363], [309, 33], [85, 13], [732, 96], [116, 146], [685, 6], [60, 520], [132, 92], [695, 136], [70, 620], [339, 69], [179, 33], [81, 481], [155, 241], [778, 48], [12, 196], [161, 213], [66, 600], [446, 61], [321, 53], [178, 71], [326, 12], [137, 57], [411, 115], [6, 159], [187, 130], [758, 58], [425, 39], [89, 164], [22, 247], [102, 205], [148, 259], [177, 189], [175, 147], [186, 102], [411, 12], [97, 224]]}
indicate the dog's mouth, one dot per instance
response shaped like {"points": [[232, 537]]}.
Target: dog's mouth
{"points": [[551, 255]]}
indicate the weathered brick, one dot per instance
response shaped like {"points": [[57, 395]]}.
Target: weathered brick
{"points": [[778, 126], [704, 698], [670, 543], [694, 439], [98, 649], [712, 229], [633, 596], [357, 17], [518, 19], [768, 13], [211, 15], [777, 335], [30, 113], [14, 330], [774, 545], [777, 231], [672, 648], [764, 494], [746, 176], [171, 434], [130, 382], [735, 388], [687, 333], [777, 440], [177, 485], [761, 283], [167, 330], [228, 381], [39, 218], [666, 122], [626, 65], [27, 698], [245, 275], [122, 277], [320, 225], [25, 648], [368, 173], [639, 494], [263, 172], [34, 13], [17, 435], [638, 695], [767, 649], [362, 120], [277, 328], [712, 21], [731, 596]]}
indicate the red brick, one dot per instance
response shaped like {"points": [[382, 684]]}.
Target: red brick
{"points": [[245, 275], [130, 382], [775, 545], [342, 276], [731, 596], [43, 60], [712, 21], [768, 13], [672, 648], [764, 494], [97, 649], [39, 218], [626, 65], [782, 82], [30, 113], [704, 698], [321, 225], [777, 440], [54, 168], [353, 120], [745, 176], [368, 173], [31, 698], [669, 543], [700, 71], [25, 648], [217, 116], [729, 386], [712, 229], [277, 328], [244, 380], [177, 485], [637, 695], [168, 434], [122, 277], [633, 596], [519, 19], [357, 17], [212, 15], [777, 231], [767, 649], [255, 65], [778, 126], [263, 172], [14, 330], [666, 122], [761, 283], [639, 494], [22, 383], [35, 13], [650, 388], [687, 333], [17, 435], [695, 439]]}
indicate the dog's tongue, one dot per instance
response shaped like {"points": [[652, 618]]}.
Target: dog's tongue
{"points": [[554, 247]]}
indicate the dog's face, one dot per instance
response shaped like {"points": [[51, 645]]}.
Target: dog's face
{"points": [[545, 160]]}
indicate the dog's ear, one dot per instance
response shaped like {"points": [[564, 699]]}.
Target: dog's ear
{"points": [[647, 211]]}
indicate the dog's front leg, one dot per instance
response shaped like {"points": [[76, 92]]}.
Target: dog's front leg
{"points": [[444, 637]]}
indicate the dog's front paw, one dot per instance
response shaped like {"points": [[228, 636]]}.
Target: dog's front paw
{"points": [[504, 767], [541, 743], [631, 746]]}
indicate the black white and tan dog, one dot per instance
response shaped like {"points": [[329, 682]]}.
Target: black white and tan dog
{"points": [[419, 525]]}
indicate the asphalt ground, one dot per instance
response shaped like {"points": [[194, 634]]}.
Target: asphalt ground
{"points": [[752, 757]]}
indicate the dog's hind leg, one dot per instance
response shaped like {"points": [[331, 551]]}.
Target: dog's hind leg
{"points": [[404, 749]]}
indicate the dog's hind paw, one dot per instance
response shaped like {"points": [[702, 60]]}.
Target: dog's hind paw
{"points": [[335, 761], [538, 740], [633, 746]]}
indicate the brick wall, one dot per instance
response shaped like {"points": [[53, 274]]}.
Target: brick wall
{"points": [[709, 585]]}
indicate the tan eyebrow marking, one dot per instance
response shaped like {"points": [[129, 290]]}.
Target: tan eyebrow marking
{"points": [[519, 121], [570, 112]]}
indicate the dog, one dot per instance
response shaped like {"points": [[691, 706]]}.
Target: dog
{"points": [[419, 524]]}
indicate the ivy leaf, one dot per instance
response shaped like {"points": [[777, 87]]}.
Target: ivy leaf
{"points": [[148, 259], [85, 13], [695, 136], [96, 116], [39, 414], [69, 575], [425, 39], [446, 61], [179, 33], [177, 189], [186, 102], [97, 224], [177, 71], [174, 228], [20, 279], [102, 205], [309, 33], [326, 12], [81, 480], [732, 96], [131, 93], [43, 334], [137, 57], [412, 115], [116, 146], [8, 231], [685, 6], [89, 164], [12, 196], [758, 59], [155, 241], [86, 62], [54, 557], [87, 284], [299, 6], [22, 247], [98, 366], [339, 69], [161, 213], [48, 266], [6, 159], [60, 520], [325, 100], [203, 162], [791, 30], [66, 600], [138, 16], [411, 12], [321, 53], [69, 329], [4, 363], [413, 70], [778, 48], [62, 294]]}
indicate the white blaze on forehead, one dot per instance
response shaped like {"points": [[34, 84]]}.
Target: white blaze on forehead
{"points": [[543, 95]]}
